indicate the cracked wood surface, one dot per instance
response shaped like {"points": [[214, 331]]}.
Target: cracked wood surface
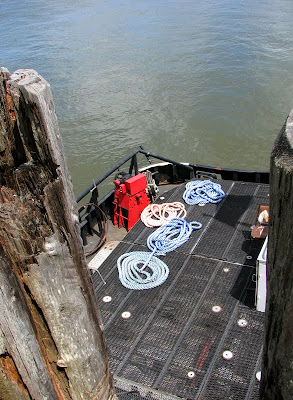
{"points": [[42, 253], [277, 370]]}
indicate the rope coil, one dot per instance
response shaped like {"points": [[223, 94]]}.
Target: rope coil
{"points": [[142, 270], [202, 192], [171, 235], [132, 272], [155, 215]]}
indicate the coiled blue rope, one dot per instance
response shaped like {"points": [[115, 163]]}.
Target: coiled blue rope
{"points": [[142, 270], [171, 235], [202, 192]]}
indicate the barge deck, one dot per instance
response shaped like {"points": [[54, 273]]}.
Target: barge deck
{"points": [[197, 336]]}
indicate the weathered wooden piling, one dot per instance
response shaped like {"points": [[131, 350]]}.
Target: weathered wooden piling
{"points": [[51, 341], [277, 370]]}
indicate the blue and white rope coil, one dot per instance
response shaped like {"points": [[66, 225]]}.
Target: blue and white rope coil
{"points": [[202, 192], [171, 235], [142, 270], [133, 273]]}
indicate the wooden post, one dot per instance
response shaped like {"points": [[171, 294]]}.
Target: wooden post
{"points": [[277, 370], [51, 341]]}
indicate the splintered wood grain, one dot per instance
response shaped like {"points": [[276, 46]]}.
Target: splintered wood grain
{"points": [[21, 342], [11, 385], [43, 253]]}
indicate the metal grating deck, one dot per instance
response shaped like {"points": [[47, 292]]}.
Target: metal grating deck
{"points": [[173, 330]]}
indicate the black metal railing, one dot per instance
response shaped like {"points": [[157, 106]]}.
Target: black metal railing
{"points": [[93, 188], [92, 212]]}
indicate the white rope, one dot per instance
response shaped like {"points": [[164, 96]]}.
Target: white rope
{"points": [[155, 215], [134, 274]]}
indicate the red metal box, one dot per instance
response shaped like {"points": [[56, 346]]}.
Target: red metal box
{"points": [[136, 184]]}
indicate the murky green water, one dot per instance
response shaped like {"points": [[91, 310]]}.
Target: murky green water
{"points": [[206, 81]]}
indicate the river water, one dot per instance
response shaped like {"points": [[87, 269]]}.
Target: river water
{"points": [[203, 81]]}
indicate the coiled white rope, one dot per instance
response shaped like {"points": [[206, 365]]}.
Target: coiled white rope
{"points": [[133, 273], [155, 215], [202, 192], [142, 270]]}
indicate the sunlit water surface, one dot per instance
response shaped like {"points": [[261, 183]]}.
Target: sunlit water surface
{"points": [[206, 81]]}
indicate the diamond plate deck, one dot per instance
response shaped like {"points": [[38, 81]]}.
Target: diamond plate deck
{"points": [[172, 344]]}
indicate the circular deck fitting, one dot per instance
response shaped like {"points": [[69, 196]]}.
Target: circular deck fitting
{"points": [[227, 354], [258, 375], [191, 374], [242, 323], [107, 299], [217, 309], [126, 315], [226, 270], [249, 257]]}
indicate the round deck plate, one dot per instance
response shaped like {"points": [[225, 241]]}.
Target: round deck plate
{"points": [[227, 355], [242, 323], [126, 315]]}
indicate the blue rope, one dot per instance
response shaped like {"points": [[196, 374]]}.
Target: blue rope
{"points": [[202, 192], [142, 270], [171, 235]]}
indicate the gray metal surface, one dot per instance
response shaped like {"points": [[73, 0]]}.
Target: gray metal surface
{"points": [[174, 341]]}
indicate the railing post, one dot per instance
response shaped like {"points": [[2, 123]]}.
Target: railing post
{"points": [[277, 370], [133, 165]]}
